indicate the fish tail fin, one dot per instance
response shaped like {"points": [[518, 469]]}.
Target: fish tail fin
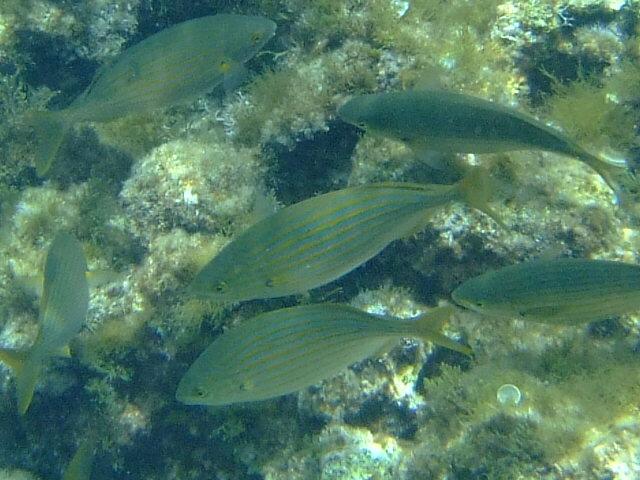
{"points": [[50, 129], [476, 189], [26, 383], [428, 327]]}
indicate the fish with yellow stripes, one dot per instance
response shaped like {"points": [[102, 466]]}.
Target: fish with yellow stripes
{"points": [[562, 291], [286, 350], [63, 308], [173, 66], [318, 240]]}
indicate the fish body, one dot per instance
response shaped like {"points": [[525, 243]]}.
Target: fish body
{"points": [[170, 67], [63, 308], [318, 240], [560, 291], [457, 123], [286, 350]]}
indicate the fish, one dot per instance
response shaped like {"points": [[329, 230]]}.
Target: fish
{"points": [[173, 66], [286, 350], [449, 122], [63, 308], [311, 243], [563, 291]]}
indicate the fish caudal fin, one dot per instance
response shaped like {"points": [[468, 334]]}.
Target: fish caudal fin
{"points": [[476, 190], [428, 327], [49, 130]]}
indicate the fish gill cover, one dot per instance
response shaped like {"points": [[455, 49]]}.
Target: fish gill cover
{"points": [[154, 194]]}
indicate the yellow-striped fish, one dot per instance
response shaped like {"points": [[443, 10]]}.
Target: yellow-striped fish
{"points": [[451, 122], [286, 350], [63, 308], [176, 65], [563, 291], [315, 241]]}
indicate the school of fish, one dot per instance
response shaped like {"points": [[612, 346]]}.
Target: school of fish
{"points": [[318, 240]]}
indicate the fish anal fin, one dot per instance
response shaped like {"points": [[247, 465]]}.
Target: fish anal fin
{"points": [[476, 189]]}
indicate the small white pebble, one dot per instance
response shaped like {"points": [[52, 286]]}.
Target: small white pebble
{"points": [[509, 395]]}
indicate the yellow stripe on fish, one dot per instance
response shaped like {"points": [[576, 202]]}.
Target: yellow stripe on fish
{"points": [[562, 291], [63, 308], [318, 240], [286, 350]]}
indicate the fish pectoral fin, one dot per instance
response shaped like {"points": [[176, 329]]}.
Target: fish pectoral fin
{"points": [[235, 76], [14, 359], [63, 352]]}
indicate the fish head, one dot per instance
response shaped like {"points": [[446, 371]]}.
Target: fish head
{"points": [[379, 115], [210, 380], [244, 36], [478, 295], [226, 278], [191, 392], [359, 111]]}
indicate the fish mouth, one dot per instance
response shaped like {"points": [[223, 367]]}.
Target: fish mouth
{"points": [[464, 303], [182, 395]]}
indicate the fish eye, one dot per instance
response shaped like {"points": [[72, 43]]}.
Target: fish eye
{"points": [[256, 37], [199, 392], [225, 66], [221, 287]]}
